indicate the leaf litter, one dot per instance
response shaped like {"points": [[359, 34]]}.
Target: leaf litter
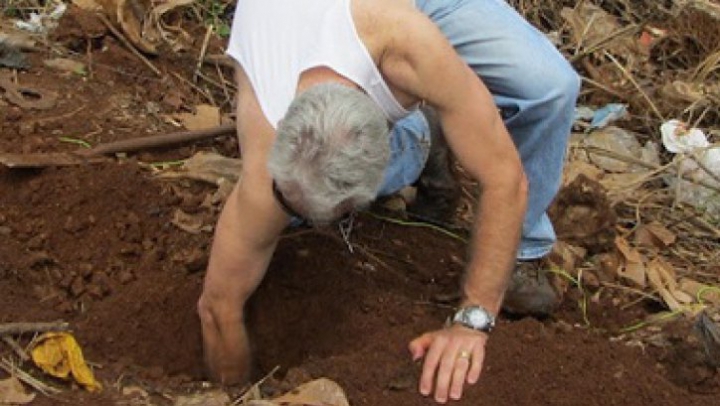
{"points": [[625, 218]]}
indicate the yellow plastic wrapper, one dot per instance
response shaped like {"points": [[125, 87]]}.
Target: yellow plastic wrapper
{"points": [[59, 355]]}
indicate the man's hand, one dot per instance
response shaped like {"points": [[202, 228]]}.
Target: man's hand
{"points": [[453, 356]]}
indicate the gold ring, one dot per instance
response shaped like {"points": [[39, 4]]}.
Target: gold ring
{"points": [[464, 355]]}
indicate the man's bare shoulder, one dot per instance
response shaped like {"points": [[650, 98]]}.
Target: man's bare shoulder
{"points": [[376, 20]]}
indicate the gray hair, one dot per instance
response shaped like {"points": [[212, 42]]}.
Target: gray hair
{"points": [[330, 151]]}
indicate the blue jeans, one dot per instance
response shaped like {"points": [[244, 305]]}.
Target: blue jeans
{"points": [[534, 88]]}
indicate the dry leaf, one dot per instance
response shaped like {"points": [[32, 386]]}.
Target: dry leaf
{"points": [[701, 292], [156, 29], [207, 167], [632, 266], [59, 355], [89, 5], [66, 65], [212, 398], [654, 235], [320, 392], [187, 222], [644, 238], [205, 116], [662, 278], [663, 235], [590, 24], [578, 167], [12, 392], [128, 15], [618, 140]]}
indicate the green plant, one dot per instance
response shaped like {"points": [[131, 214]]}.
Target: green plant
{"points": [[213, 13]]}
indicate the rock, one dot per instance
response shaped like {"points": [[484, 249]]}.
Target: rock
{"points": [[77, 287], [14, 114], [27, 127], [126, 277]]}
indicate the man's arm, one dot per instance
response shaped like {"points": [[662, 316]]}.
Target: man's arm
{"points": [[245, 239], [419, 61]]}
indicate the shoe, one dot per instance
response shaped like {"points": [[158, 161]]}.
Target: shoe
{"points": [[438, 190], [530, 291]]}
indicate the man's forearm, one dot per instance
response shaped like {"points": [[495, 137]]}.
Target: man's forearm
{"points": [[236, 267], [498, 224]]}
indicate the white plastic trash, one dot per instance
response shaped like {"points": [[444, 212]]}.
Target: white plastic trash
{"points": [[677, 138], [699, 164]]}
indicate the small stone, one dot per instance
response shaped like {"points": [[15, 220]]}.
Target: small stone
{"points": [[37, 241], [563, 326], [196, 261], [126, 277], [27, 128], [14, 114], [131, 250], [5, 231], [39, 258], [403, 381], [85, 270], [66, 281], [77, 287], [147, 245], [96, 292]]}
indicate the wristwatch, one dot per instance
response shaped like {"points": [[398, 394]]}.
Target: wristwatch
{"points": [[475, 317]]}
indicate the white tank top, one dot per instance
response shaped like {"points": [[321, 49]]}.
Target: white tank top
{"points": [[276, 40]]}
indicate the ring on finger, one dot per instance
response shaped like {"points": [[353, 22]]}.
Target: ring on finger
{"points": [[464, 355]]}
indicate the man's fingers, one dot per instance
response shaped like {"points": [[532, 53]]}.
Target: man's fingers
{"points": [[478, 355], [430, 366], [458, 379], [419, 346], [445, 372]]}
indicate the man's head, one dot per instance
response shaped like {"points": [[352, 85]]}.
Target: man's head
{"points": [[330, 152]]}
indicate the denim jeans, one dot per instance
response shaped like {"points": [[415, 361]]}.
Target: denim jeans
{"points": [[534, 88]]}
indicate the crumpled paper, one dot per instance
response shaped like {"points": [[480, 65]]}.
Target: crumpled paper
{"points": [[59, 355]]}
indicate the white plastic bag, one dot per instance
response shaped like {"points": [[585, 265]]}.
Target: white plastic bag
{"points": [[699, 165]]}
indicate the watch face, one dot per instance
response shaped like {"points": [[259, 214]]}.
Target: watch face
{"points": [[477, 317]]}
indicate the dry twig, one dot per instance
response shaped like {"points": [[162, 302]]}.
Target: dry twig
{"points": [[16, 347], [36, 384], [636, 85], [22, 328], [203, 51], [128, 45]]}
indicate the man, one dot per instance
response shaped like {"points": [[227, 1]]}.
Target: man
{"points": [[318, 79]]}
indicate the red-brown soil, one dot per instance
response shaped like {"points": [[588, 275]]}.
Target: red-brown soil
{"points": [[94, 245]]}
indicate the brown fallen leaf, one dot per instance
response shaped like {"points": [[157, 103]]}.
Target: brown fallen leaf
{"points": [[211, 398], [662, 278], [207, 167], [632, 265], [12, 392], [192, 224], [320, 392], [66, 65], [205, 116], [654, 235], [701, 292]]}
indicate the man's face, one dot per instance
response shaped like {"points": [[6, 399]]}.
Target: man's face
{"points": [[342, 211]]}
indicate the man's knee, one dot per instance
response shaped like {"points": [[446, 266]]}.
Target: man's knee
{"points": [[560, 81], [568, 84]]}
